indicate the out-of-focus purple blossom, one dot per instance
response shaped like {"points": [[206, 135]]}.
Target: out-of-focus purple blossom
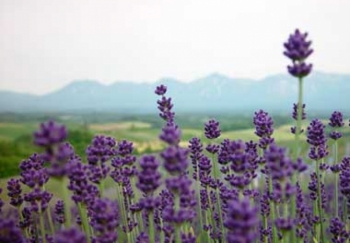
{"points": [[71, 235], [161, 89], [27, 218], [338, 231], [196, 150], [336, 121], [170, 134], [83, 191], [344, 177], [302, 213], [101, 149], [59, 212], [212, 129], [317, 138], [279, 164], [142, 238], [300, 70], [165, 106], [175, 159], [104, 220], [242, 222], [32, 172], [300, 166], [38, 199], [284, 224], [149, 177], [188, 238], [297, 47], [295, 112], [263, 128], [212, 148], [14, 192], [50, 133], [9, 232], [64, 153]]}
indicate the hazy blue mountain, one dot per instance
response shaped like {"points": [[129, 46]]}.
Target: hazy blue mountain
{"points": [[213, 93]]}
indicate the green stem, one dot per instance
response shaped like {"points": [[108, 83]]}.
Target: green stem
{"points": [[101, 187], [122, 210], [49, 216], [273, 215], [319, 200], [84, 221], [199, 202], [42, 225], [218, 200], [297, 148], [151, 227], [65, 194], [336, 180], [177, 226]]}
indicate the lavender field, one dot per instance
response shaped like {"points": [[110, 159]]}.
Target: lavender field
{"points": [[288, 183]]}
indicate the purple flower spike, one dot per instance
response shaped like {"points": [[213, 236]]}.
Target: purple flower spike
{"points": [[300, 70], [9, 232], [212, 129], [295, 112], [101, 149], [336, 119], [297, 47], [160, 90], [242, 222], [170, 134], [317, 139], [59, 212], [263, 128], [338, 231], [104, 220], [14, 192], [149, 177], [71, 235], [175, 159], [50, 133]]}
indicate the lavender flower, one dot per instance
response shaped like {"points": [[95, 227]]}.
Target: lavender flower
{"points": [[101, 149], [317, 138], [49, 134], [14, 192], [9, 232], [104, 220], [338, 231], [242, 222], [175, 159], [161, 89], [149, 177], [71, 235], [298, 49], [263, 128], [59, 212], [212, 129], [336, 121], [196, 149]]}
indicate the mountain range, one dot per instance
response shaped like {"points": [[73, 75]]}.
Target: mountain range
{"points": [[213, 93]]}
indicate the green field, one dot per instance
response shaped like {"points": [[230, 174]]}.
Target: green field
{"points": [[16, 138]]}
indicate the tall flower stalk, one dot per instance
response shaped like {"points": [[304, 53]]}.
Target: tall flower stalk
{"points": [[298, 50]]}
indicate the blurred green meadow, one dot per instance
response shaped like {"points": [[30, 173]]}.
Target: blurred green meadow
{"points": [[16, 134]]}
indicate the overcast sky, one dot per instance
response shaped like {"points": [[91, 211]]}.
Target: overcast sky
{"points": [[46, 44]]}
